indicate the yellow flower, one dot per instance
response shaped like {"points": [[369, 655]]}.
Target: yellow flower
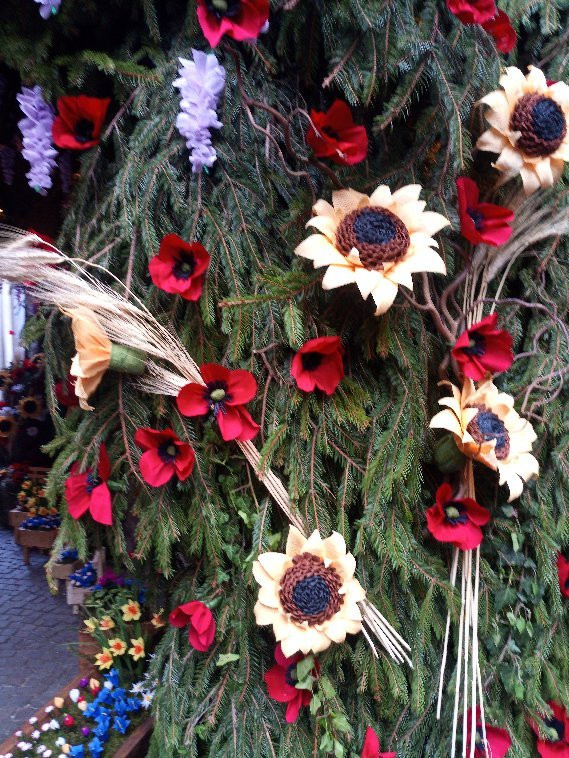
{"points": [[93, 354], [117, 646], [32, 501], [130, 611], [106, 623], [309, 594], [29, 407], [43, 511], [91, 624], [528, 127], [104, 659], [486, 427], [157, 621], [376, 242], [137, 649], [94, 684], [82, 705]]}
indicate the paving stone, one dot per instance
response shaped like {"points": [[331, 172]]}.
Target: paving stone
{"points": [[38, 637]]}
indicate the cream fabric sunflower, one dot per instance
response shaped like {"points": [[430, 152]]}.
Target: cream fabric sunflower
{"points": [[528, 121], [486, 427], [376, 241], [309, 593]]}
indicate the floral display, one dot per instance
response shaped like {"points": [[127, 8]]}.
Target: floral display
{"points": [[483, 349], [280, 681], [36, 132], [200, 622], [456, 520], [497, 741], [79, 121], [242, 20], [225, 394], [333, 134], [180, 267], [86, 576], [481, 222], [487, 427], [528, 127], [371, 747], [563, 573], [44, 523], [376, 242], [500, 27], [201, 83], [308, 594], [319, 363], [88, 492], [164, 456], [32, 498], [553, 736]]}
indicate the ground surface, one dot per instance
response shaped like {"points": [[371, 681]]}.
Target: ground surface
{"points": [[36, 629]]}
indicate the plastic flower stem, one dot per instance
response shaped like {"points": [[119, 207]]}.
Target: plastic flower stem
{"points": [[458, 664], [453, 572], [476, 667], [482, 716], [467, 609]]}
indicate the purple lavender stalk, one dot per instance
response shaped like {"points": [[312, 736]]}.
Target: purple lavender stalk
{"points": [[36, 131]]}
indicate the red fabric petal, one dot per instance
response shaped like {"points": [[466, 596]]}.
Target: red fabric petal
{"points": [[305, 380], [443, 494], [464, 536], [475, 512], [72, 109], [493, 229], [100, 507], [235, 423], [241, 386], [246, 25], [329, 374], [161, 267], [281, 658], [293, 708], [154, 470], [76, 495], [350, 144], [499, 741], [185, 460], [249, 428], [213, 372], [147, 438], [202, 640], [104, 468], [371, 744], [201, 617], [191, 400], [476, 12], [563, 573], [178, 618], [500, 27], [278, 687]]}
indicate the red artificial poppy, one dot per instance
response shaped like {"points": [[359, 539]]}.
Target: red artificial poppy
{"points": [[481, 222], [79, 121], [371, 746], [165, 455], [280, 684], [475, 12], [89, 492], [47, 241], [563, 573], [225, 394], [498, 740], [239, 19], [456, 520], [333, 134], [319, 363], [483, 349], [556, 743], [202, 623], [500, 27], [65, 393], [179, 267]]}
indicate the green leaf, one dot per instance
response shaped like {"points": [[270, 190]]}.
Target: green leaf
{"points": [[226, 658]]}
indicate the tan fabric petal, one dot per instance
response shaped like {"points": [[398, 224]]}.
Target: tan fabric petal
{"points": [[345, 566], [513, 82], [384, 295], [326, 225], [510, 161], [275, 564], [348, 200], [423, 258], [261, 576], [446, 420], [350, 610], [263, 615], [399, 274], [544, 173], [430, 223], [295, 541], [268, 595], [314, 544], [335, 629], [335, 547], [353, 591], [337, 276], [406, 194], [381, 197], [323, 208], [560, 93], [499, 113], [530, 180], [367, 281], [319, 249], [410, 213], [535, 81], [492, 141]]}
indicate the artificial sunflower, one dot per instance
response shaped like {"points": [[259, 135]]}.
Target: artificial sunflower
{"points": [[486, 427], [376, 241], [93, 355], [528, 127], [30, 407], [309, 593], [8, 426]]}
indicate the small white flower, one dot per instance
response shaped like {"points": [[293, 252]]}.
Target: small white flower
{"points": [[18, 733], [147, 699], [74, 695], [54, 724], [33, 720], [137, 688], [45, 727], [41, 749], [47, 754], [109, 685], [60, 741], [49, 709], [36, 734]]}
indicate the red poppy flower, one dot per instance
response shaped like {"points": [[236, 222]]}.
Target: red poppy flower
{"points": [[334, 135], [563, 572], [65, 393], [481, 222], [371, 746], [202, 624], [89, 492], [180, 267], [476, 12], [500, 27], [498, 740], [165, 455], [483, 349], [239, 19], [280, 684], [319, 363], [79, 121], [456, 520], [225, 394], [556, 745]]}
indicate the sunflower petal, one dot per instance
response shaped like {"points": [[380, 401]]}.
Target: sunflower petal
{"points": [[337, 276]]}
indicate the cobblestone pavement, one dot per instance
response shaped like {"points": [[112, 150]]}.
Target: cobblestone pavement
{"points": [[35, 628]]}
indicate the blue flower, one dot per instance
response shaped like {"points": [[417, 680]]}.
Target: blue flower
{"points": [[36, 132], [118, 694], [121, 708], [77, 750], [121, 724], [113, 677], [133, 704], [96, 747]]}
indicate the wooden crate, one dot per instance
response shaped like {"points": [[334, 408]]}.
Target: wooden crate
{"points": [[16, 517], [62, 570], [38, 539]]}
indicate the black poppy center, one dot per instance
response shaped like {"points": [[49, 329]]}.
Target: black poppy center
{"points": [[476, 345], [377, 234], [557, 726], [311, 595], [5, 425], [29, 406], [92, 482], [223, 8], [477, 217], [332, 133], [84, 130], [541, 124], [487, 426], [217, 395], [167, 452], [567, 583], [184, 266], [479, 741], [454, 513], [290, 675], [311, 361]]}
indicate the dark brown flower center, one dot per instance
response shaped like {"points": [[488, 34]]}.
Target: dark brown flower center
{"points": [[29, 406], [309, 590], [168, 452], [332, 133], [486, 426], [476, 345], [184, 265], [378, 235], [221, 8], [477, 217], [541, 123], [84, 130], [557, 726], [310, 361]]}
